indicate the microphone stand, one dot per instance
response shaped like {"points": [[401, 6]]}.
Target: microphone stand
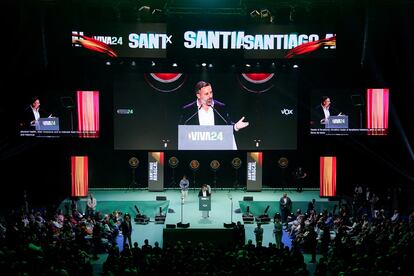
{"points": [[192, 116], [182, 204], [231, 220], [218, 113], [231, 207]]}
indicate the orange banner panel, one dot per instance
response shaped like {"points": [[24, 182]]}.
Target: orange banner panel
{"points": [[79, 175], [327, 183]]}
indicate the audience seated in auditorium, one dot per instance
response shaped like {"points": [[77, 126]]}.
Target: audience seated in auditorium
{"points": [[46, 241]]}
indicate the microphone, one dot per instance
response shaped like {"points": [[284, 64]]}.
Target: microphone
{"points": [[192, 116], [218, 113]]}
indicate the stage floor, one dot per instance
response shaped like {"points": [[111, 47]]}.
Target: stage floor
{"points": [[226, 207]]}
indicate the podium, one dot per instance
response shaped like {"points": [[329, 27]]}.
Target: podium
{"points": [[195, 137], [47, 124], [340, 121], [204, 203]]}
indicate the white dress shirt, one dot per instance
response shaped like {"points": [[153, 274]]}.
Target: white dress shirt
{"points": [[36, 113], [206, 118], [326, 112]]}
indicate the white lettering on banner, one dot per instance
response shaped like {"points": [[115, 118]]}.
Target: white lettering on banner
{"points": [[49, 123], [149, 40], [189, 38], [205, 136], [153, 171], [251, 171], [338, 121], [211, 40], [240, 40], [286, 111], [75, 36], [109, 40]]}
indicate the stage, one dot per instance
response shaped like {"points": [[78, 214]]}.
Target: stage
{"points": [[227, 205]]}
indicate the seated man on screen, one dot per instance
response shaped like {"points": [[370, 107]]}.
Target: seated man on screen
{"points": [[208, 112], [323, 111], [32, 114]]}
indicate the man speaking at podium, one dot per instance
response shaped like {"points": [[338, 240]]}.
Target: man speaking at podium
{"points": [[204, 192], [323, 111], [208, 112], [32, 114]]}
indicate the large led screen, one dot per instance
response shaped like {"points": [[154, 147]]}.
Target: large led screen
{"points": [[75, 114], [162, 111], [349, 111]]}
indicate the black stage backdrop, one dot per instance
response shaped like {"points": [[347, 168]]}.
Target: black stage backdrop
{"points": [[374, 51]]}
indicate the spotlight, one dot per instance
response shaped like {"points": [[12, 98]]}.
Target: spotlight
{"points": [[156, 11], [204, 64], [210, 65], [295, 66], [248, 65], [254, 13], [265, 13], [165, 142], [108, 63], [144, 9], [133, 63], [152, 63], [174, 65], [273, 65]]}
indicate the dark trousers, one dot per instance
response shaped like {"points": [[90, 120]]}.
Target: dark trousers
{"points": [[127, 237], [284, 214]]}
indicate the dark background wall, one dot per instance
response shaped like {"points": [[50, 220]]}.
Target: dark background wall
{"points": [[374, 50]]}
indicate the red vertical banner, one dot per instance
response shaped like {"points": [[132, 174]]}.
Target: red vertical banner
{"points": [[327, 173], [88, 113], [377, 110], [79, 166]]}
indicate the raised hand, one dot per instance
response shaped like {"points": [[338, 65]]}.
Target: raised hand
{"points": [[241, 124]]}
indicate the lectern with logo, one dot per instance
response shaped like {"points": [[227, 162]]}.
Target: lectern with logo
{"points": [[340, 121], [195, 137], [47, 124], [204, 205]]}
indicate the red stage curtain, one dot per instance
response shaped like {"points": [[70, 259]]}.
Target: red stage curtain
{"points": [[88, 113], [377, 110], [327, 183], [79, 175]]}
